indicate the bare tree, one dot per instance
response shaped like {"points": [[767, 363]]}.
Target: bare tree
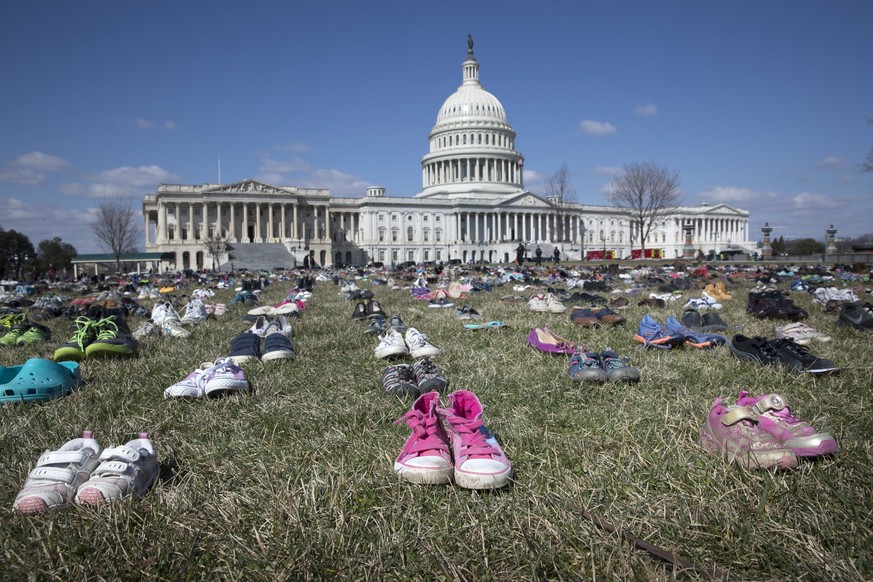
{"points": [[116, 229], [646, 192], [562, 195], [215, 247]]}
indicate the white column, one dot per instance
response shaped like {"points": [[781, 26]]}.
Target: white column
{"points": [[148, 241], [245, 224], [294, 220]]}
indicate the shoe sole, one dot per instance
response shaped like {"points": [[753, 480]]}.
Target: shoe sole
{"points": [[244, 359], [278, 355], [598, 376], [424, 476], [482, 481], [425, 353], [396, 351]]}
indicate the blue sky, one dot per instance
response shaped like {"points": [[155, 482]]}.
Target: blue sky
{"points": [[760, 105]]}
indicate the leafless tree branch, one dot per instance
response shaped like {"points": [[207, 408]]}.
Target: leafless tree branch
{"points": [[645, 192], [116, 228]]}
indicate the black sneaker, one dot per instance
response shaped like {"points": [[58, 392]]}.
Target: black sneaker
{"points": [[692, 319], [366, 294], [74, 348], [378, 325], [712, 321], [400, 380], [360, 311], [374, 309], [397, 324], [245, 347], [857, 316], [277, 346], [113, 339], [797, 358], [755, 350], [428, 376]]}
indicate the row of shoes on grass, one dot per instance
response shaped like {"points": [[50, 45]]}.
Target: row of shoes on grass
{"points": [[413, 343], [451, 444], [212, 379], [761, 433], [98, 335], [773, 304], [264, 341], [674, 334], [166, 321], [84, 473], [414, 379], [546, 303]]}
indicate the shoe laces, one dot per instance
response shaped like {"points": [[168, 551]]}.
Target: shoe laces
{"points": [[418, 340], [792, 346], [474, 440], [428, 368], [84, 327], [426, 428]]}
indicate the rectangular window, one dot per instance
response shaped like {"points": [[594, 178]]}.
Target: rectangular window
{"points": [[426, 255], [438, 255], [438, 235], [394, 255], [394, 235], [437, 218], [382, 255]]}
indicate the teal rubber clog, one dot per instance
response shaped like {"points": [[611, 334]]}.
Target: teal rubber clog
{"points": [[38, 380]]}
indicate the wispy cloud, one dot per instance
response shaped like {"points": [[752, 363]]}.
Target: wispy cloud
{"points": [[830, 163], [611, 171], [298, 147], [734, 195], [40, 222], [646, 110], [122, 181], [295, 171], [143, 123], [170, 125], [31, 168], [596, 128], [810, 201]]}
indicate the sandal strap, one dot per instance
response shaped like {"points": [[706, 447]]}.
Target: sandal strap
{"points": [[119, 468], [738, 413], [122, 452], [54, 474], [66, 457], [770, 402]]}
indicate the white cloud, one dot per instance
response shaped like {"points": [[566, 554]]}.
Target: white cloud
{"points": [[810, 201], [297, 147], [734, 195], [830, 163], [646, 110], [610, 171], [297, 172], [596, 128], [29, 168], [121, 181], [144, 123], [170, 124], [40, 222]]}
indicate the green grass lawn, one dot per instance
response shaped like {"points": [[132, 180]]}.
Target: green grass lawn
{"points": [[295, 480]]}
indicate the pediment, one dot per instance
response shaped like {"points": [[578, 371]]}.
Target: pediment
{"points": [[249, 187], [723, 209], [525, 200]]}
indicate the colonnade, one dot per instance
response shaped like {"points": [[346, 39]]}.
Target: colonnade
{"points": [[471, 170]]}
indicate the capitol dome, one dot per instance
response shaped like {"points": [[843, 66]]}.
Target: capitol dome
{"points": [[472, 145]]}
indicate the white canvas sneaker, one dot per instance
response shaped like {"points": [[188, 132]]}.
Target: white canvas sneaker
{"points": [[391, 344], [419, 347]]}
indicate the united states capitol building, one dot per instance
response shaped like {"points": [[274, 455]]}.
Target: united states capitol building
{"points": [[473, 206]]}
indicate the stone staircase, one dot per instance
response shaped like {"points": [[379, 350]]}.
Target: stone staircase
{"points": [[257, 256]]}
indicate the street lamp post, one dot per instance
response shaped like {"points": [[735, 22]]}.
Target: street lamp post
{"points": [[582, 231]]}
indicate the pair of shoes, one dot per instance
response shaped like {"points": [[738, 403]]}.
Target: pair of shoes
{"points": [[704, 302], [366, 309], [800, 333], [467, 312], [760, 433], [605, 366], [83, 471], [246, 347], [263, 327], [545, 340], [858, 316], [165, 317], [709, 321], [699, 339], [474, 459], [94, 338], [414, 343], [38, 380], [546, 303], [774, 305], [782, 352], [195, 313], [652, 302], [440, 303], [651, 333], [24, 333], [419, 378], [211, 379], [379, 325], [595, 317], [717, 292]]}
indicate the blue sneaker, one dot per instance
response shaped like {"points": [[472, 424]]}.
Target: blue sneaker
{"points": [[585, 366], [245, 347], [618, 369], [653, 334], [698, 339]]}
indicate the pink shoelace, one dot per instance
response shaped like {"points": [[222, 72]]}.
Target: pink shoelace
{"points": [[425, 429], [473, 440]]}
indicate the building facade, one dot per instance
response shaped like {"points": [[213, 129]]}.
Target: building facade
{"points": [[473, 206]]}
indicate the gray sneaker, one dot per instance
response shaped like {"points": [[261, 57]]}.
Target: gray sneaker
{"points": [[617, 369]]}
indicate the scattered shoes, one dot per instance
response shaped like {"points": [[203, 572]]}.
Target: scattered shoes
{"points": [[605, 366], [124, 471], [698, 339], [782, 352], [653, 334]]}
